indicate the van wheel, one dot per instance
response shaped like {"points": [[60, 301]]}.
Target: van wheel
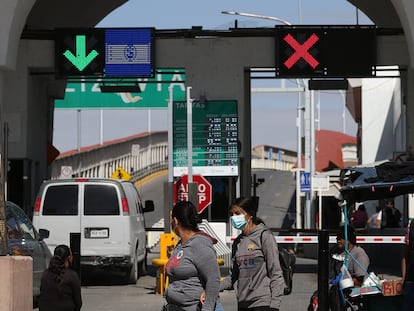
{"points": [[133, 274]]}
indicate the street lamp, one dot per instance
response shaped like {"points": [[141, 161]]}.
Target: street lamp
{"points": [[300, 109], [257, 16]]}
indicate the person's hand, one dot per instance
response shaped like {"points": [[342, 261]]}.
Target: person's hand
{"points": [[203, 297]]}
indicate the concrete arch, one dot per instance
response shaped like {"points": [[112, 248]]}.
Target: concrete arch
{"points": [[405, 11], [13, 15]]}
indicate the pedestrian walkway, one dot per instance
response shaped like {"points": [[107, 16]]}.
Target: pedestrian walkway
{"points": [[106, 292]]}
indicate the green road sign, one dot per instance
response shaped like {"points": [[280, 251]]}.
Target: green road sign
{"points": [[154, 93], [80, 60], [215, 138]]}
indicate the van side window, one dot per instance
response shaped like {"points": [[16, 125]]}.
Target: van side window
{"points": [[61, 200], [101, 200]]}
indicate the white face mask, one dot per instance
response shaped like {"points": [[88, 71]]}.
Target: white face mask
{"points": [[238, 221]]}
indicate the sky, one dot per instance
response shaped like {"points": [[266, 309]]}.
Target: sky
{"points": [[273, 115]]}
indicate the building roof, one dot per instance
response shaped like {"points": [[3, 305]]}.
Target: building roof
{"points": [[328, 149]]}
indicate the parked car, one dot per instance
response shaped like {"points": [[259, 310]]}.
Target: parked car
{"points": [[108, 215], [23, 239]]}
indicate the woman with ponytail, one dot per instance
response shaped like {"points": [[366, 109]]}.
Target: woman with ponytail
{"points": [[192, 269], [60, 288]]}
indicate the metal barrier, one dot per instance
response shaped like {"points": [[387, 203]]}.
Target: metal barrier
{"points": [[332, 239]]}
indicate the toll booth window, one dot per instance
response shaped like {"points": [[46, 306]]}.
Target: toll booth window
{"points": [[101, 200], [61, 200]]}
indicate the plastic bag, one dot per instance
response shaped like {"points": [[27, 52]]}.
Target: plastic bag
{"points": [[346, 281]]}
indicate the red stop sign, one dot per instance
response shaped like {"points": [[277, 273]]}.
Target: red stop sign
{"points": [[203, 191]]}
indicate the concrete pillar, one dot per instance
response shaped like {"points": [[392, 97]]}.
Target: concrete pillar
{"points": [[409, 101], [16, 289]]}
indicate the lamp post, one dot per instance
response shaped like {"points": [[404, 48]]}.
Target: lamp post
{"points": [[276, 19], [300, 110]]}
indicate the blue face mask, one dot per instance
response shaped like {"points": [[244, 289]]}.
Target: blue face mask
{"points": [[238, 222]]}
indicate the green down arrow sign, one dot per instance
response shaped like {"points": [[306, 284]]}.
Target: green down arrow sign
{"points": [[81, 60]]}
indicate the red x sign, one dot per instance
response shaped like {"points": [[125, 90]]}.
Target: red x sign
{"points": [[301, 51]]}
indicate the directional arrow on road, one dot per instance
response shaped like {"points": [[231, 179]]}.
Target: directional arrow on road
{"points": [[80, 60]]}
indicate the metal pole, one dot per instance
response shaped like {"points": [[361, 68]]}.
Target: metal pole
{"points": [[149, 157], [79, 142], [6, 158], [189, 136], [192, 186], [323, 272], [307, 122], [101, 138], [312, 149], [170, 135], [168, 186], [299, 162], [320, 209]]}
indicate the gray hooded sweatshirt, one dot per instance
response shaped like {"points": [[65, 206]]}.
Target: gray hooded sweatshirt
{"points": [[191, 269], [256, 270]]}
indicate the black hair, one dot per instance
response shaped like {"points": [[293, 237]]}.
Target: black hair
{"points": [[361, 208], [250, 207], [187, 215], [57, 262], [351, 234]]}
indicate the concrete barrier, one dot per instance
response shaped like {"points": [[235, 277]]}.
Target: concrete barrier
{"points": [[16, 290]]}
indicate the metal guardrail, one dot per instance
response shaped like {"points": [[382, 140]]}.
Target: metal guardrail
{"points": [[101, 161]]}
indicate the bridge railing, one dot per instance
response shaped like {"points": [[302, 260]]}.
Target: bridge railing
{"points": [[138, 155]]}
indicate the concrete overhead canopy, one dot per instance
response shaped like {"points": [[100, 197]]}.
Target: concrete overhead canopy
{"points": [[391, 14], [49, 14], [381, 12], [25, 15]]}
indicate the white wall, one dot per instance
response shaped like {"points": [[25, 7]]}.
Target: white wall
{"points": [[382, 115]]}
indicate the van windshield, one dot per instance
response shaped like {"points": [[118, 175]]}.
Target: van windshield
{"points": [[61, 200], [101, 200]]}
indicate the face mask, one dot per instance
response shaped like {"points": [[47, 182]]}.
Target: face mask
{"points": [[238, 222]]}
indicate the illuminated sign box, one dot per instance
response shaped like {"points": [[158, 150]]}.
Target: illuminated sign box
{"points": [[79, 52], [325, 51], [113, 52], [129, 52]]}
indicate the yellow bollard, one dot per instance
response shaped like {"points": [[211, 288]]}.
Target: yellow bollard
{"points": [[167, 243]]}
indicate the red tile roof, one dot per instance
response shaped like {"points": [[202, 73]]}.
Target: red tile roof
{"points": [[328, 149]]}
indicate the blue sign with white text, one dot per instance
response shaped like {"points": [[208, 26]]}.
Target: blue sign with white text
{"points": [[129, 52]]}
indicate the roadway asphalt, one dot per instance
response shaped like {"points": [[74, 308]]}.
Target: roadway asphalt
{"points": [[102, 292]]}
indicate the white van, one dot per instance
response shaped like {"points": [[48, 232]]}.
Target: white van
{"points": [[107, 213]]}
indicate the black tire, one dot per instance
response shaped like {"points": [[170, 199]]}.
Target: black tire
{"points": [[133, 273], [143, 266]]}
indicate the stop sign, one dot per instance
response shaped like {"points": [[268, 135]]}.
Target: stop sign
{"points": [[203, 191]]}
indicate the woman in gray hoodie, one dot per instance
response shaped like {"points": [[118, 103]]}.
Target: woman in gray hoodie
{"points": [[256, 270], [192, 269]]}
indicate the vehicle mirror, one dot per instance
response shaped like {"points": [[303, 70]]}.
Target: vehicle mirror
{"points": [[44, 233], [149, 206]]}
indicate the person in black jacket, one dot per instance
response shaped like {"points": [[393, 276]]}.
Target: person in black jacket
{"points": [[60, 287]]}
